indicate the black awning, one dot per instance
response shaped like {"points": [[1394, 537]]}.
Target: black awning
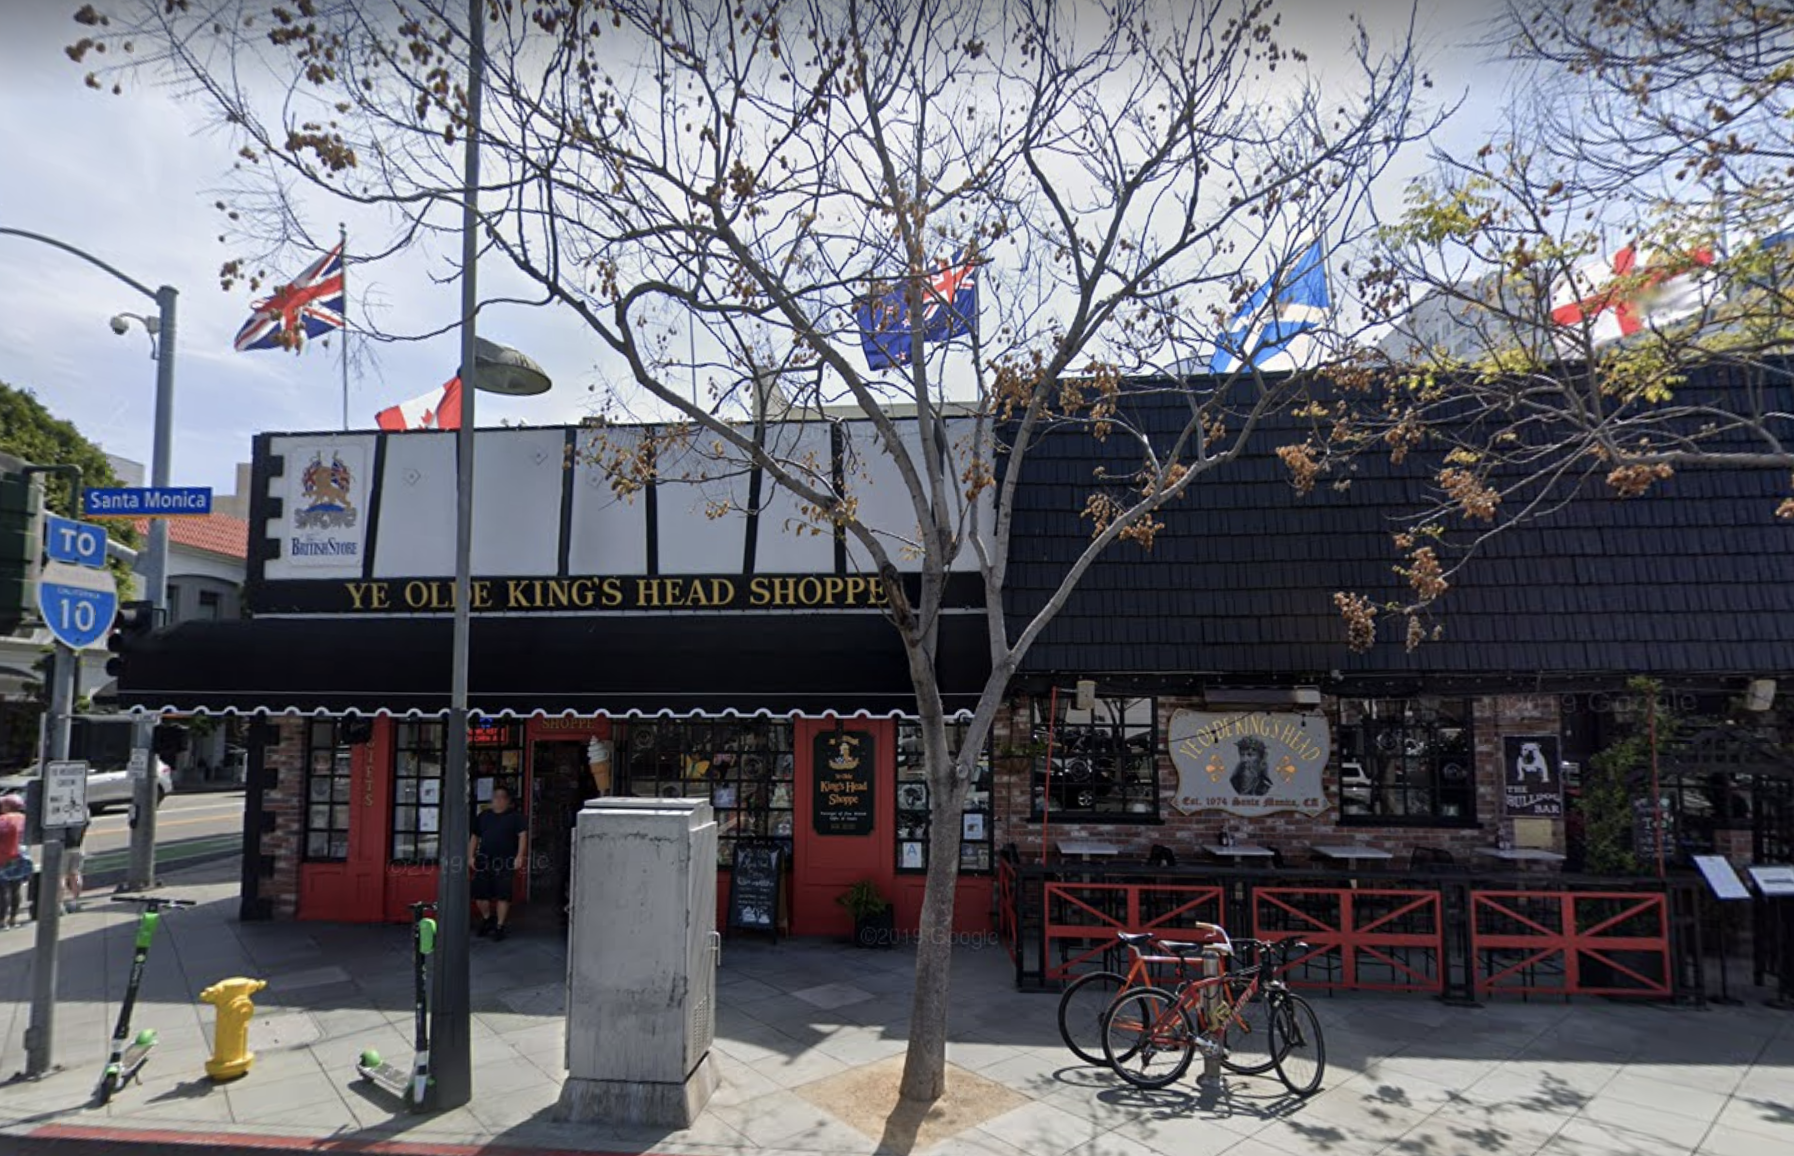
{"points": [[725, 664]]}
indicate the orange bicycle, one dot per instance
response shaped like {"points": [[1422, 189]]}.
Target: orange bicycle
{"points": [[1085, 1006], [1150, 1035]]}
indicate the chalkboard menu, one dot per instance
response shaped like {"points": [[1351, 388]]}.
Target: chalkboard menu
{"points": [[754, 887], [842, 773], [1644, 829]]}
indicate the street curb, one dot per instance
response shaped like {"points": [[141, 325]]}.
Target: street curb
{"points": [[85, 1137]]}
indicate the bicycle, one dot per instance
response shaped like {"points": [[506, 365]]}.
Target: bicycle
{"points": [[1085, 1005], [1151, 1024]]}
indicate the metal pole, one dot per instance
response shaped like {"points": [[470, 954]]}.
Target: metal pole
{"points": [[40, 1035], [343, 233], [451, 1061], [142, 872]]}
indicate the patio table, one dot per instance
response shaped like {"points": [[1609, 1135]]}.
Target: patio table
{"points": [[1238, 851], [1352, 854], [1521, 854], [1085, 850]]}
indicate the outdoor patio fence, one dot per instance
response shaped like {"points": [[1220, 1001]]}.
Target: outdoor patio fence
{"points": [[1459, 936]]}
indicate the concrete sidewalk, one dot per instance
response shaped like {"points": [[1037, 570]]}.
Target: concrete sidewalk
{"points": [[1406, 1076]]}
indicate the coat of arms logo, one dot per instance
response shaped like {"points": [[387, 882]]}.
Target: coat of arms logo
{"points": [[325, 490]]}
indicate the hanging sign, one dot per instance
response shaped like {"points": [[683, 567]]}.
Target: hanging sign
{"points": [[842, 772], [1531, 776], [1248, 763]]}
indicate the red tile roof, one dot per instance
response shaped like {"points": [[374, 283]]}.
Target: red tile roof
{"points": [[213, 533]]}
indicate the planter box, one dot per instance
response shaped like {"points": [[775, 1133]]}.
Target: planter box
{"points": [[876, 930]]}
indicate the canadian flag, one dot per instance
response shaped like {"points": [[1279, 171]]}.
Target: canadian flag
{"points": [[1619, 296], [438, 409]]}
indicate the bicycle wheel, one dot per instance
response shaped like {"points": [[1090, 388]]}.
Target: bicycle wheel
{"points": [[1299, 1049], [1247, 1035], [1082, 1010], [1149, 1039]]}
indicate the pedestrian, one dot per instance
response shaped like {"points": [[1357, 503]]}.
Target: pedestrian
{"points": [[73, 857], [499, 838], [15, 864]]}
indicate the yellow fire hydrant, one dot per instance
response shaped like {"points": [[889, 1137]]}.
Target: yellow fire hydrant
{"points": [[231, 1056]]}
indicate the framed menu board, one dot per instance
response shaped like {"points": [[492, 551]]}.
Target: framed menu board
{"points": [[842, 774]]}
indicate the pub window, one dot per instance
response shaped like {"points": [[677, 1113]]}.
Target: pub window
{"points": [[912, 805], [1105, 763], [417, 792], [1406, 762], [329, 788], [746, 769]]}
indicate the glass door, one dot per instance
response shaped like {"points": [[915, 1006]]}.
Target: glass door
{"points": [[559, 785]]}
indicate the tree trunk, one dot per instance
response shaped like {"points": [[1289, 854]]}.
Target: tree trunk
{"points": [[925, 1065]]}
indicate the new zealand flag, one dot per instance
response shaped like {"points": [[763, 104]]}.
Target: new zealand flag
{"points": [[950, 309]]}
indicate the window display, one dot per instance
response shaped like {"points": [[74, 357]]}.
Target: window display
{"points": [[329, 789], [417, 787], [913, 820], [745, 769]]}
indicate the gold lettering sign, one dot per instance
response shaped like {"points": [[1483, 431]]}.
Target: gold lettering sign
{"points": [[588, 592]]}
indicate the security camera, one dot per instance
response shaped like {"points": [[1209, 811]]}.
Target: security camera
{"points": [[121, 325]]}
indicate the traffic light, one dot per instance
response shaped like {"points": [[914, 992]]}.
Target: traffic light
{"points": [[133, 623], [19, 549]]}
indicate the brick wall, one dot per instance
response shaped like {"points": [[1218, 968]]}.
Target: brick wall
{"points": [[284, 799], [1291, 833]]}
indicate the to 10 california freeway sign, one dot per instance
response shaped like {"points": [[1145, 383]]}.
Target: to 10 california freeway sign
{"points": [[78, 604]]}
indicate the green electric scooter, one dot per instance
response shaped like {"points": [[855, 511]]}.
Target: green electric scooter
{"points": [[130, 1053], [410, 1087]]}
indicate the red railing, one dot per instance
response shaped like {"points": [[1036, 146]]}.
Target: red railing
{"points": [[1008, 917], [1083, 918], [1570, 942], [1359, 940]]}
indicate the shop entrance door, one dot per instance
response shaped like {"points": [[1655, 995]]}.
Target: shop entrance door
{"points": [[559, 785]]}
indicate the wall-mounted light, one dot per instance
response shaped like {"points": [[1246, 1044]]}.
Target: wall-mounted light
{"points": [[1759, 695], [1086, 694]]}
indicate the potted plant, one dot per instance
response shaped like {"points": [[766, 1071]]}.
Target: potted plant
{"points": [[874, 922]]}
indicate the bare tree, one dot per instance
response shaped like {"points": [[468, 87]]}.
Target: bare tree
{"points": [[1552, 294], [713, 188]]}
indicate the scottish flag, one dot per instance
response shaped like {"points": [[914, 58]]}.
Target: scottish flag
{"points": [[1267, 334]]}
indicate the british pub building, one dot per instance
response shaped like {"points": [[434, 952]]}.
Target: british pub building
{"points": [[642, 647]]}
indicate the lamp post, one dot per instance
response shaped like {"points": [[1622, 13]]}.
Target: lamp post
{"points": [[154, 564], [496, 369]]}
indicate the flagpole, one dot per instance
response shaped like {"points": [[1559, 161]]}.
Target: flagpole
{"points": [[343, 233]]}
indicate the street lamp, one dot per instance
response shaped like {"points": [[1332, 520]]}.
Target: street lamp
{"points": [[154, 569], [495, 369]]}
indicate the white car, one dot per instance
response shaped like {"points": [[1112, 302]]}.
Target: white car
{"points": [[107, 786]]}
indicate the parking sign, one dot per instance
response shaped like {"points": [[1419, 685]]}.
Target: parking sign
{"points": [[65, 795]]}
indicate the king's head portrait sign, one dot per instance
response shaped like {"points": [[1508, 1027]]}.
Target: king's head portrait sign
{"points": [[1248, 762]]}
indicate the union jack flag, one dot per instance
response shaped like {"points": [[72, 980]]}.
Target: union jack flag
{"points": [[310, 306]]}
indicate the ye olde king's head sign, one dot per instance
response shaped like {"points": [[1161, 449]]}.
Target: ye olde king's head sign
{"points": [[1248, 763], [328, 502]]}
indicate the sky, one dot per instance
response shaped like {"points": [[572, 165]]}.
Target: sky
{"points": [[132, 180]]}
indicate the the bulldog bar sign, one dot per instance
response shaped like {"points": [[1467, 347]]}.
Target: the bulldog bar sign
{"points": [[1248, 763]]}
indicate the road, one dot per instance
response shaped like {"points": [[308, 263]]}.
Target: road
{"points": [[190, 828]]}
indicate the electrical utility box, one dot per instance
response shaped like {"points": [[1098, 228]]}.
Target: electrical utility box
{"points": [[641, 962]]}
